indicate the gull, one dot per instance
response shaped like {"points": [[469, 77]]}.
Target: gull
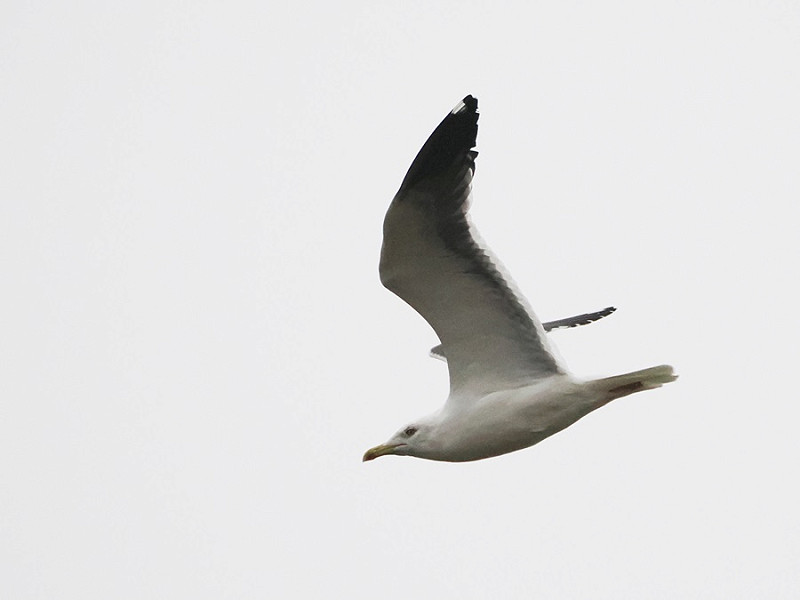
{"points": [[508, 390]]}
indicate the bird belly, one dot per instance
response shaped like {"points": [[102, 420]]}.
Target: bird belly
{"points": [[511, 420]]}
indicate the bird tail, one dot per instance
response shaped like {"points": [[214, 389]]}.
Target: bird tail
{"points": [[637, 381]]}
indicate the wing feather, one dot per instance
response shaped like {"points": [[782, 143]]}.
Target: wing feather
{"points": [[432, 260], [437, 351]]}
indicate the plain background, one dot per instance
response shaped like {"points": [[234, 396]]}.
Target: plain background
{"points": [[196, 350]]}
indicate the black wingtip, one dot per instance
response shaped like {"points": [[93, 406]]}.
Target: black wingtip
{"points": [[577, 320], [452, 140], [605, 312], [468, 105]]}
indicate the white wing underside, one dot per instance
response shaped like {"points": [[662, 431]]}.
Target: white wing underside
{"points": [[437, 352], [431, 259]]}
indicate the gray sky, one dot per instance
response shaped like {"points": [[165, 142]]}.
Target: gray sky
{"points": [[196, 349]]}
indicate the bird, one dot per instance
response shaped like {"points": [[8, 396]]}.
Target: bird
{"points": [[508, 389]]}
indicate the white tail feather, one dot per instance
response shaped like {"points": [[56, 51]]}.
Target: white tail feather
{"points": [[637, 381]]}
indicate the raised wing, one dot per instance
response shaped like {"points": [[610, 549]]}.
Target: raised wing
{"points": [[432, 260], [584, 319]]}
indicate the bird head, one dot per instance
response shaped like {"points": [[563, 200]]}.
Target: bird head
{"points": [[414, 439]]}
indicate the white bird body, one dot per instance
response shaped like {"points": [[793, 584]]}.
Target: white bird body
{"points": [[508, 390], [511, 419]]}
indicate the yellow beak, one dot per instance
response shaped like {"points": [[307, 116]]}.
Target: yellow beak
{"points": [[381, 450]]}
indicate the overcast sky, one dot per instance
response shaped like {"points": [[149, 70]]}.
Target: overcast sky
{"points": [[196, 350]]}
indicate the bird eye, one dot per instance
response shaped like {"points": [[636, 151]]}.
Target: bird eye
{"points": [[410, 431]]}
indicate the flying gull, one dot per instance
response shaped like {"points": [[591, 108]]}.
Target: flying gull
{"points": [[508, 390]]}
